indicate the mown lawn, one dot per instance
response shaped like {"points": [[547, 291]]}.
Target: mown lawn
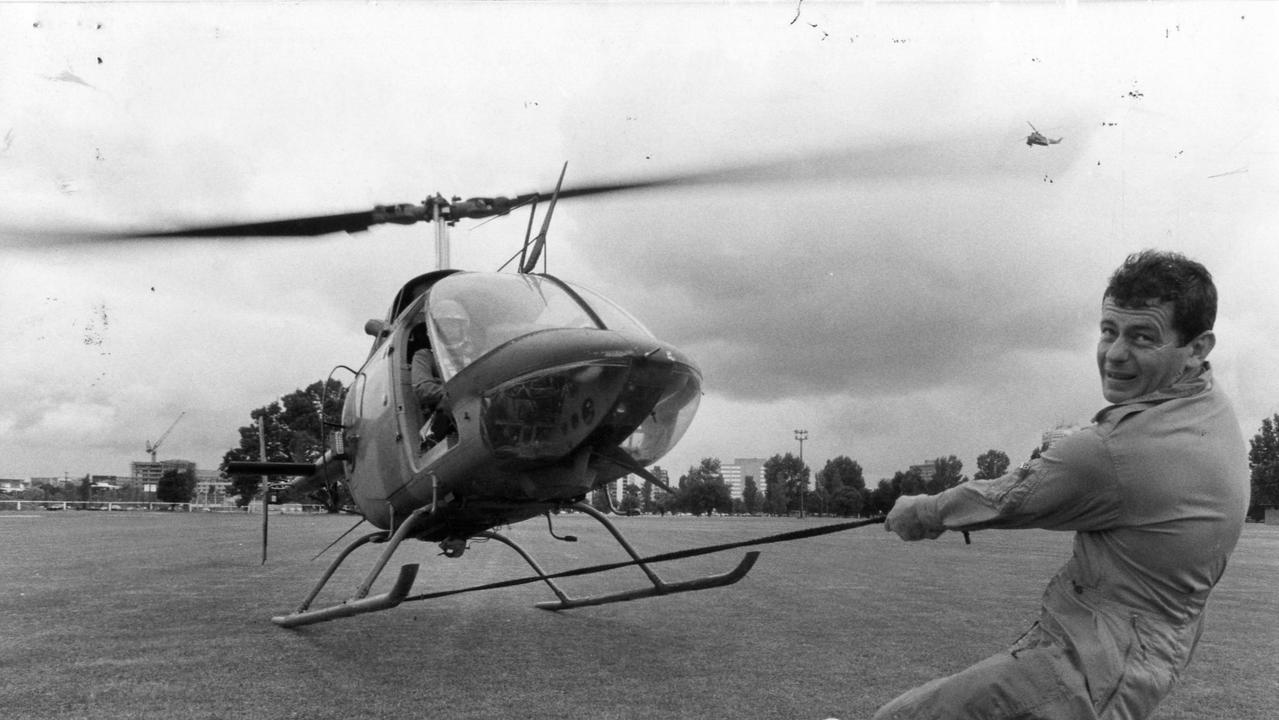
{"points": [[160, 615]]}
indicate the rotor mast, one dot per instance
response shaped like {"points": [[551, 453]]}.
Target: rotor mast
{"points": [[445, 213], [442, 261]]}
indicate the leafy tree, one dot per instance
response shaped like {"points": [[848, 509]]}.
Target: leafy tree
{"points": [[703, 489], [818, 500], [847, 502], [909, 482], [1263, 459], [786, 477], [664, 503], [774, 498], [991, 464], [904, 482], [843, 485], [293, 434], [53, 492], [880, 500], [839, 473], [32, 493], [176, 484], [630, 498], [946, 474], [751, 499]]}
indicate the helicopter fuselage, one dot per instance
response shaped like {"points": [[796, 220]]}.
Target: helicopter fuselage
{"points": [[565, 392]]}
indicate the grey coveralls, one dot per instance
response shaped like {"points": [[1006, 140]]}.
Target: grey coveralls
{"points": [[1156, 490]]}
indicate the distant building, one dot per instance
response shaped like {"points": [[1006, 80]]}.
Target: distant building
{"points": [[146, 475], [735, 475], [107, 482], [660, 474], [211, 487], [12, 485], [51, 481], [926, 470]]}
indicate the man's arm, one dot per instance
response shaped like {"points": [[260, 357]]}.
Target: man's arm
{"points": [[1072, 486], [426, 384]]}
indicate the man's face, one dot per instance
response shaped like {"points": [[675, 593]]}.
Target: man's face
{"points": [[1139, 351], [452, 329]]}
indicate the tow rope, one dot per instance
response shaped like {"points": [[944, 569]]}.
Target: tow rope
{"points": [[664, 557]]}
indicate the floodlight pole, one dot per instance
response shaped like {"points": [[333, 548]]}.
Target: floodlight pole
{"points": [[266, 481], [801, 436]]}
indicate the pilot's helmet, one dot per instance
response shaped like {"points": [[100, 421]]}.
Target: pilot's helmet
{"points": [[452, 321]]}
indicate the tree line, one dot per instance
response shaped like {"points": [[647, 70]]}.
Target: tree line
{"points": [[1263, 461], [785, 489]]}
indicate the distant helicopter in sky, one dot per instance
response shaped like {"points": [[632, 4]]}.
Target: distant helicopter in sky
{"points": [[550, 392], [1037, 138]]}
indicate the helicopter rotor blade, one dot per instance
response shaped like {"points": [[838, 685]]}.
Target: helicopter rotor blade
{"points": [[937, 156], [294, 227], [887, 159]]}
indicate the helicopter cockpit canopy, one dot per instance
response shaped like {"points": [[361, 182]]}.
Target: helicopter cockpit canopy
{"points": [[470, 314]]}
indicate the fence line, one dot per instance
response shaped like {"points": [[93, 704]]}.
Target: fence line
{"points": [[152, 506]]}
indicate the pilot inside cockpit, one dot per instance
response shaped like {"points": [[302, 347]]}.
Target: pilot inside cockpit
{"points": [[455, 349], [454, 335], [427, 384]]}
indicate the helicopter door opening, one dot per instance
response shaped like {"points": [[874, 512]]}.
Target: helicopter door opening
{"points": [[417, 415]]}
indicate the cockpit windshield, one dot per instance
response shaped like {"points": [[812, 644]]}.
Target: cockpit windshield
{"points": [[472, 313]]}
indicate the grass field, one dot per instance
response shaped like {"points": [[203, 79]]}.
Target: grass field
{"points": [[164, 615]]}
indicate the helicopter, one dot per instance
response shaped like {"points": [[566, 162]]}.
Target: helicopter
{"points": [[1037, 138], [550, 391]]}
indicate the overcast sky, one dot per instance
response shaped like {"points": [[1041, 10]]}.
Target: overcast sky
{"points": [[914, 282]]}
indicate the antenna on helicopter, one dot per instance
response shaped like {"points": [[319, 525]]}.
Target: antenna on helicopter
{"points": [[539, 242]]}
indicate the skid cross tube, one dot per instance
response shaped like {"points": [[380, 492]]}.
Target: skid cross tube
{"points": [[528, 559], [659, 586]]}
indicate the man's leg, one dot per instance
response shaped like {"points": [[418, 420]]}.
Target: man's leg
{"points": [[1040, 682]]}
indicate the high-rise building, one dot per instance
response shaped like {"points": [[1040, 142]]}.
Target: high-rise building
{"points": [[146, 475], [735, 475]]}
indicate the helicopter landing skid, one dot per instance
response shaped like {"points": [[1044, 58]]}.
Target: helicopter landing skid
{"points": [[660, 587], [360, 603]]}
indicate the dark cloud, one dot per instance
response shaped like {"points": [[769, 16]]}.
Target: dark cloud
{"points": [[846, 290]]}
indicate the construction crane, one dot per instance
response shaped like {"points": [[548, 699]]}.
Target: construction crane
{"points": [[153, 446]]}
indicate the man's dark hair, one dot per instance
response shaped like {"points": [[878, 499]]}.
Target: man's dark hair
{"points": [[1153, 276]]}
